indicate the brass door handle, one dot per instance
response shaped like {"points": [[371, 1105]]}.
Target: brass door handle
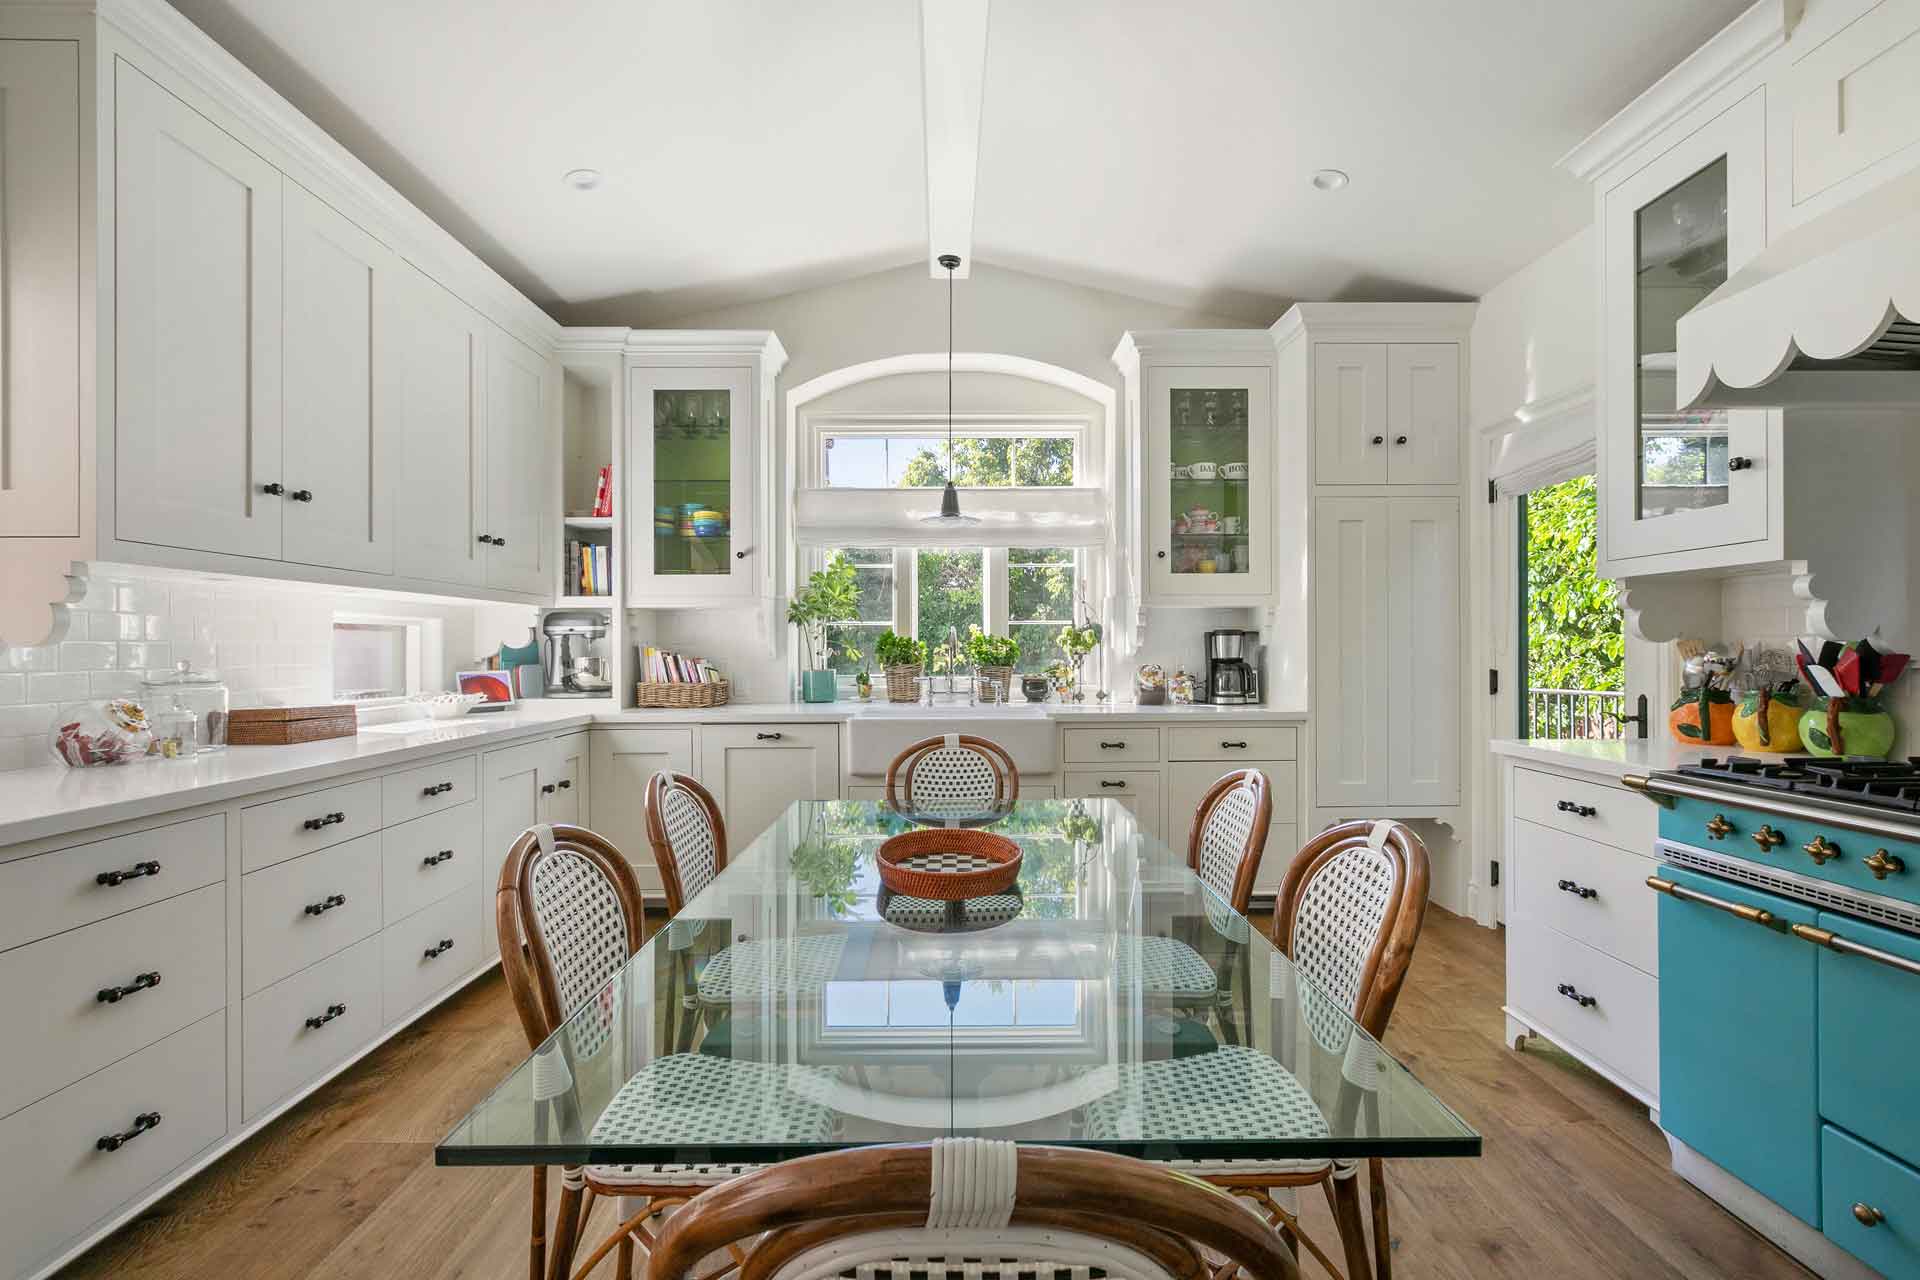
{"points": [[1866, 1215], [1848, 947], [1752, 915], [1718, 828], [1884, 864], [1768, 839], [1821, 850]]}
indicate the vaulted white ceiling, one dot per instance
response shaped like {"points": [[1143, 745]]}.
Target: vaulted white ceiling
{"points": [[1164, 150]]}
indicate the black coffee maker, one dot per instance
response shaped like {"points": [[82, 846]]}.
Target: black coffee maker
{"points": [[1231, 679]]}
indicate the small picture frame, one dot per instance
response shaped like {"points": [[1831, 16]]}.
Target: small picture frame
{"points": [[494, 687]]}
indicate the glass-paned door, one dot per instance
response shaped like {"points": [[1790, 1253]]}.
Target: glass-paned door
{"points": [[1210, 489], [690, 437]]}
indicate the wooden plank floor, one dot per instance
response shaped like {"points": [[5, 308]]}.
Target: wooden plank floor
{"points": [[1574, 1182]]}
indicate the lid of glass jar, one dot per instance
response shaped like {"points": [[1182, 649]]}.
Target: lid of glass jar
{"points": [[182, 674]]}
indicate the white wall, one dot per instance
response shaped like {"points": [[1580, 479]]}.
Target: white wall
{"points": [[1534, 334]]}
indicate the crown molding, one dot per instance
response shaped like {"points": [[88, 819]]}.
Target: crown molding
{"points": [[1373, 321], [1740, 46], [762, 343], [161, 30]]}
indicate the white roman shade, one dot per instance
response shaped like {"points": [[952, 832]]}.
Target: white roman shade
{"points": [[1047, 517], [1544, 446]]}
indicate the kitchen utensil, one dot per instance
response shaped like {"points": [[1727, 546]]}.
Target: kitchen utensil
{"points": [[445, 706], [577, 663]]}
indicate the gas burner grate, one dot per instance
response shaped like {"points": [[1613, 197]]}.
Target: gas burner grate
{"points": [[1884, 784]]}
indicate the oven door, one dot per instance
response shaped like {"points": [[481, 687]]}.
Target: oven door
{"points": [[1870, 1035], [1737, 1026]]}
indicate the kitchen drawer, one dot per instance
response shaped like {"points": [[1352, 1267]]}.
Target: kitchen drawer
{"points": [[1589, 891], [427, 859], [1591, 810], [1619, 1029], [1113, 745], [283, 829], [1856, 1177], [1233, 742], [1138, 789], [58, 1027], [428, 789], [416, 962], [1189, 780], [282, 1051], [281, 935], [50, 892], [55, 1182]]}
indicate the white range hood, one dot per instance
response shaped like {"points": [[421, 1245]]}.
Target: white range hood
{"points": [[1828, 315]]}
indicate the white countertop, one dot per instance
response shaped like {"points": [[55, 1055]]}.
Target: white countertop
{"points": [[54, 799], [1611, 759]]}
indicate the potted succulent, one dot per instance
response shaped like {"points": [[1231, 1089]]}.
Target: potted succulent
{"points": [[901, 657], [1850, 717], [831, 594], [992, 658]]}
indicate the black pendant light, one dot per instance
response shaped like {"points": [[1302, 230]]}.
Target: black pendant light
{"points": [[950, 516]]}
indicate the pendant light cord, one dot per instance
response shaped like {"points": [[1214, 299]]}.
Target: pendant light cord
{"points": [[950, 479]]}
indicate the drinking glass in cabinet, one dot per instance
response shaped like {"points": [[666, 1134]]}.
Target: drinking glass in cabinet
{"points": [[692, 483], [1209, 476], [1681, 245]]}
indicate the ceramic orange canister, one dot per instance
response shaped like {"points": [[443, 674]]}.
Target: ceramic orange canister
{"points": [[1702, 718]]}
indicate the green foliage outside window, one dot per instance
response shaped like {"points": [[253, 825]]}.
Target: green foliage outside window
{"points": [[1574, 636]]}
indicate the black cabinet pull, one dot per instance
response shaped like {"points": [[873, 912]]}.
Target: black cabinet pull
{"points": [[499, 542], [1113, 746], [547, 790], [739, 555], [1379, 440], [141, 981], [141, 1123], [1161, 554], [300, 495], [1233, 746], [1399, 439], [1108, 782], [273, 490], [437, 789], [1739, 464], [322, 1019], [446, 944], [766, 737], [325, 820], [1568, 990], [565, 784], [326, 904], [1577, 810], [1578, 890], [435, 859], [134, 872], [486, 539]]}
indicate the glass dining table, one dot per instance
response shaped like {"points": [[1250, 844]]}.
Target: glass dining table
{"points": [[1108, 1000]]}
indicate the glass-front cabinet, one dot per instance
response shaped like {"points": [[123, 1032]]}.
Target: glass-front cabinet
{"points": [[691, 516], [1208, 478], [1685, 487]]}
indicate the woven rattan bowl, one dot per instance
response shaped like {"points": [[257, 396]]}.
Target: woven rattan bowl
{"points": [[948, 865]]}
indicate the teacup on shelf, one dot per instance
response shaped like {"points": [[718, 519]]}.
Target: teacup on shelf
{"points": [[1181, 471], [1204, 470], [1234, 470]]}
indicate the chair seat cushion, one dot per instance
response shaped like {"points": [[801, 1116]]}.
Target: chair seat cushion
{"points": [[1232, 1094], [749, 970], [1163, 966], [692, 1176], [719, 1099]]}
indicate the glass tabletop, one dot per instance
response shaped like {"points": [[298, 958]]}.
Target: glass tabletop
{"points": [[1107, 1000]]}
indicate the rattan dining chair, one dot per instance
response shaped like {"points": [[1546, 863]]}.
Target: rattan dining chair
{"points": [[970, 1209], [569, 917], [957, 773], [688, 836]]}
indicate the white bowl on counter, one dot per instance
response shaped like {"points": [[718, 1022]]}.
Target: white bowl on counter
{"points": [[446, 706]]}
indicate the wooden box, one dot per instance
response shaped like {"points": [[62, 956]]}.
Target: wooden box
{"points": [[282, 726]]}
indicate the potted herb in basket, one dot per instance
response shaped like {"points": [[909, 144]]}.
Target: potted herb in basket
{"points": [[901, 657], [992, 658], [831, 594]]}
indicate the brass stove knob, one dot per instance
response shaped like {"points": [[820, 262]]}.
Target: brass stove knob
{"points": [[1821, 850], [1884, 864], [1768, 839], [1718, 828]]}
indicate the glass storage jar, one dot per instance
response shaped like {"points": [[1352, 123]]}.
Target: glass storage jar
{"points": [[200, 692], [176, 730]]}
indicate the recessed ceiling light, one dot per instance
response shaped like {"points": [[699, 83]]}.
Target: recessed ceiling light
{"points": [[1330, 179], [581, 179]]}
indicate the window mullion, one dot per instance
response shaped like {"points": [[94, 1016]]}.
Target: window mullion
{"points": [[906, 578], [994, 591]]}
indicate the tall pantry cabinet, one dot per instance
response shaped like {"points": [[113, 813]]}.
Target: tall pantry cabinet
{"points": [[1378, 389]]}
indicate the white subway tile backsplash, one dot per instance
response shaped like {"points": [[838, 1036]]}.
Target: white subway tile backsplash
{"points": [[13, 688], [30, 720], [89, 655], [65, 686], [45, 657], [145, 657], [113, 684]]}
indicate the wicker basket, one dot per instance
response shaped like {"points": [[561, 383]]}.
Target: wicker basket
{"points": [[903, 683], [993, 684], [663, 694], [977, 863]]}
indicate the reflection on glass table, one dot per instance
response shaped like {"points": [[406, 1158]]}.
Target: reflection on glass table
{"points": [[1110, 1001]]}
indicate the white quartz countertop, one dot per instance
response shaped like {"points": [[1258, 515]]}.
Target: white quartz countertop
{"points": [[54, 799], [1611, 759]]}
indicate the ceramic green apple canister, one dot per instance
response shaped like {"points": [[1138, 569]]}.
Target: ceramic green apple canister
{"points": [[1849, 716]]}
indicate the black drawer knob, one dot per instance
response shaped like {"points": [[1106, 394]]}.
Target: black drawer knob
{"points": [[1379, 440], [273, 490], [435, 859], [141, 981], [134, 872], [1578, 890], [441, 948], [437, 789], [548, 789], [326, 904], [1572, 993], [565, 784], [1739, 464], [320, 1020], [1399, 439], [1577, 810], [300, 495], [141, 1123]]}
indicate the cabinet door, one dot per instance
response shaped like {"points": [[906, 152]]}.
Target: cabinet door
{"points": [[40, 290], [1137, 790], [1423, 413], [196, 329], [563, 783], [1856, 992], [439, 453], [1209, 459], [689, 448], [1350, 649], [1350, 412], [621, 761], [519, 468], [1678, 480], [510, 803], [340, 359], [1423, 651], [756, 771]]}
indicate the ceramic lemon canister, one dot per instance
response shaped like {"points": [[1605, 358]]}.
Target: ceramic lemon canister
{"points": [[1768, 719]]}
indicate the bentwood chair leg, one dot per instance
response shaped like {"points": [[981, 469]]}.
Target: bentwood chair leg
{"points": [[537, 1247], [1343, 1197], [623, 1265], [1382, 1237], [566, 1228]]}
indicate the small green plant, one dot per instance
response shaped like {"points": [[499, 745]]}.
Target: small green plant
{"points": [[983, 650], [899, 651], [831, 595], [1078, 642]]}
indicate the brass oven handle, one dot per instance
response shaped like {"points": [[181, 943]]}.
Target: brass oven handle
{"points": [[1846, 946], [1752, 915]]}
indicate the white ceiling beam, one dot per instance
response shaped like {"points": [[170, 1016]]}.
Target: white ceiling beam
{"points": [[953, 72]]}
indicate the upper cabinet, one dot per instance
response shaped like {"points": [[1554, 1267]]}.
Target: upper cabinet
{"points": [[1386, 413], [520, 468], [439, 459], [697, 471]]}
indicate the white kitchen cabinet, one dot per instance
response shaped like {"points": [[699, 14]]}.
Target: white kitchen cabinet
{"points": [[1424, 413], [197, 314], [1386, 412], [621, 761], [1849, 107], [1138, 790], [440, 456], [1350, 412], [1387, 652], [525, 785], [519, 469], [340, 360], [567, 774], [755, 771]]}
